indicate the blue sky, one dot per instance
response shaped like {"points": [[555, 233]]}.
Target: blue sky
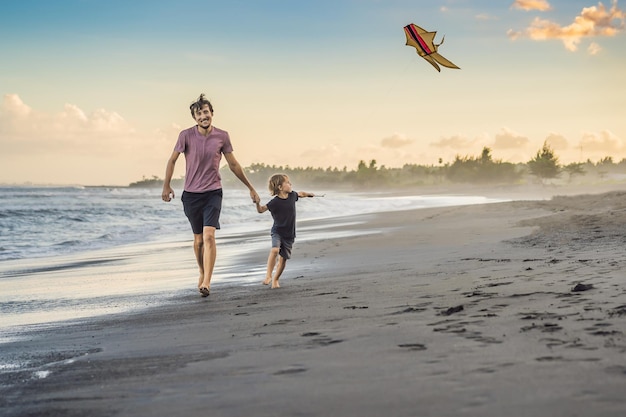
{"points": [[96, 92]]}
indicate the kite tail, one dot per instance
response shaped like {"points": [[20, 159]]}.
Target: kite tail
{"points": [[443, 61], [430, 59], [440, 43]]}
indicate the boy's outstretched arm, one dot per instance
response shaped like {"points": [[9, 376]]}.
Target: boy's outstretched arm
{"points": [[260, 208]]}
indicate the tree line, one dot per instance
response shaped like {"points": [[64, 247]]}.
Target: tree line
{"points": [[482, 169]]}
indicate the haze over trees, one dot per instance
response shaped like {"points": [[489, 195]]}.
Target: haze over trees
{"points": [[545, 164], [483, 169]]}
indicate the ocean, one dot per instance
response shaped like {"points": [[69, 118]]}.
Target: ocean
{"points": [[71, 253]]}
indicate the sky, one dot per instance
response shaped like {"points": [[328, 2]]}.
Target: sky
{"points": [[95, 92]]}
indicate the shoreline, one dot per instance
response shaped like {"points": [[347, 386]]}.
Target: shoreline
{"points": [[463, 310], [136, 274]]}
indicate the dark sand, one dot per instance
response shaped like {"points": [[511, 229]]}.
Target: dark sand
{"points": [[508, 309]]}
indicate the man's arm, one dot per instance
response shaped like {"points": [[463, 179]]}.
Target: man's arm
{"points": [[168, 193], [234, 166], [305, 194]]}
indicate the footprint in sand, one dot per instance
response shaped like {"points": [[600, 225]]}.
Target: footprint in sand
{"points": [[290, 371], [320, 339], [413, 346]]}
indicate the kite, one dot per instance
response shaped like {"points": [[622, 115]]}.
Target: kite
{"points": [[423, 42]]}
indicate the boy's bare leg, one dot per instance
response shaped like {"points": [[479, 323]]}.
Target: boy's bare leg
{"points": [[209, 254], [271, 262], [279, 270]]}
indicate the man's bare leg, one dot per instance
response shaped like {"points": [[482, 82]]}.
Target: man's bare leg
{"points": [[280, 267], [271, 262], [209, 254], [198, 250]]}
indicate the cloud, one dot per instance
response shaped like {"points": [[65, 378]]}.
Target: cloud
{"points": [[541, 5], [73, 146], [593, 21], [322, 156], [594, 49], [455, 142], [70, 130], [168, 132], [557, 142], [339, 156], [325, 151], [389, 157], [507, 139], [604, 142], [73, 119], [13, 106], [397, 140]]}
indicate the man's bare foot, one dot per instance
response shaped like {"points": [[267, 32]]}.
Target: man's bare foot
{"points": [[275, 284], [267, 281], [200, 280], [205, 284]]}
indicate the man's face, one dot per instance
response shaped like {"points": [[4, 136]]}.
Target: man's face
{"points": [[203, 117]]}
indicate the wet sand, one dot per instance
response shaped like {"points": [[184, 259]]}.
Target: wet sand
{"points": [[506, 309]]}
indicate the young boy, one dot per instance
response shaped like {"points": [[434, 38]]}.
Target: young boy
{"points": [[283, 210]]}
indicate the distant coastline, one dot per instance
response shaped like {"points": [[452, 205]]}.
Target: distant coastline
{"points": [[466, 172]]}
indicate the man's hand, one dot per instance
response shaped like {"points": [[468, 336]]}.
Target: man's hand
{"points": [[255, 197], [167, 194]]}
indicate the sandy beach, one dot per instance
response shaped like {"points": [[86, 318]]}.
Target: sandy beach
{"points": [[505, 309]]}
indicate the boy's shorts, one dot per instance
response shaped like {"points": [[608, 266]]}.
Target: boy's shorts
{"points": [[285, 245], [202, 209]]}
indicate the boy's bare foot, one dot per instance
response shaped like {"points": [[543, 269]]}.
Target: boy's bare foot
{"points": [[275, 284], [267, 281]]}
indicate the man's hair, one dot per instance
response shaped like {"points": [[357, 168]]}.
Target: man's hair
{"points": [[276, 181], [199, 104]]}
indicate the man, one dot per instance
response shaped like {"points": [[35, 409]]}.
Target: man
{"points": [[203, 146]]}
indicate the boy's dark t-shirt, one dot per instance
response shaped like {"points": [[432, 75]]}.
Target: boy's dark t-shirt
{"points": [[284, 215]]}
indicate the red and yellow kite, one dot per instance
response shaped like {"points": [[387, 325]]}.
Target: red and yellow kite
{"points": [[424, 42]]}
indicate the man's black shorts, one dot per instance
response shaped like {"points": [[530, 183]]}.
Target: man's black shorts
{"points": [[203, 209]]}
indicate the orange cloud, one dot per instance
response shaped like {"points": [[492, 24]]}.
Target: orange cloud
{"points": [[541, 5], [592, 21]]}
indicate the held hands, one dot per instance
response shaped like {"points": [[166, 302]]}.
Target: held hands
{"points": [[168, 194], [255, 197]]}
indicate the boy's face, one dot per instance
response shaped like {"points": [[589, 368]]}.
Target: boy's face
{"points": [[203, 117], [286, 186]]}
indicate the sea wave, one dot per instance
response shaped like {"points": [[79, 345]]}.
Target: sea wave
{"points": [[49, 221]]}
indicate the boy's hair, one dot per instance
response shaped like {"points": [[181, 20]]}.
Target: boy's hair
{"points": [[199, 104], [276, 181]]}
